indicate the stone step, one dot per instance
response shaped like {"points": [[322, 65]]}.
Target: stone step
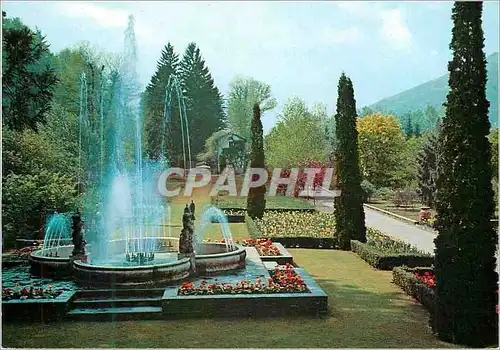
{"points": [[116, 302], [118, 293], [116, 313]]}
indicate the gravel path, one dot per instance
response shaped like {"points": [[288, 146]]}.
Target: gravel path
{"points": [[422, 239]]}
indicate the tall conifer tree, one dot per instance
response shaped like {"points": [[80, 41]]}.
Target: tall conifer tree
{"points": [[465, 247]]}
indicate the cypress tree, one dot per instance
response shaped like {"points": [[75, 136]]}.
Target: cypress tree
{"points": [[427, 170], [465, 247], [349, 214], [256, 201]]}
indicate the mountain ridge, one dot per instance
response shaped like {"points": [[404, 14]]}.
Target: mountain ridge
{"points": [[433, 92]]}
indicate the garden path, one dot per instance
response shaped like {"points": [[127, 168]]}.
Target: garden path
{"points": [[422, 239]]}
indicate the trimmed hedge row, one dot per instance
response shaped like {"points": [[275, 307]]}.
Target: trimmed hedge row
{"points": [[305, 242], [384, 261], [274, 210], [405, 278]]}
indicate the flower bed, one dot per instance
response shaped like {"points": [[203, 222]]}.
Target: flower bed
{"points": [[287, 224], [265, 247], [417, 283], [282, 280], [385, 253], [31, 293]]}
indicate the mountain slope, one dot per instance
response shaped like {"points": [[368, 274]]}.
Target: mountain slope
{"points": [[434, 93]]}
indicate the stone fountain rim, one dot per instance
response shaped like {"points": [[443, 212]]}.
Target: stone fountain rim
{"points": [[88, 266], [239, 249], [36, 254]]}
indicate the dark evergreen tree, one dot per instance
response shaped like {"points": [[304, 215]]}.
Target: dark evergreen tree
{"points": [[349, 214], [256, 201], [28, 76], [154, 104], [416, 131], [204, 102], [408, 129], [427, 170], [467, 283]]}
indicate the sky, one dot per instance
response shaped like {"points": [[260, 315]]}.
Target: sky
{"points": [[299, 48]]}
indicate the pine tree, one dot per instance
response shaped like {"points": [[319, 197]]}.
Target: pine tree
{"points": [[28, 76], [417, 132], [256, 201], [465, 247], [427, 170], [154, 104], [203, 100], [408, 127], [349, 214]]}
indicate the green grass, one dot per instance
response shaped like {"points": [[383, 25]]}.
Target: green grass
{"points": [[366, 310], [276, 202]]}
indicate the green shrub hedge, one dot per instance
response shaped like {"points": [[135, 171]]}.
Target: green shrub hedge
{"points": [[387, 261], [253, 230], [405, 278]]}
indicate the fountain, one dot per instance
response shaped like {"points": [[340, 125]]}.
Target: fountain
{"points": [[123, 215]]}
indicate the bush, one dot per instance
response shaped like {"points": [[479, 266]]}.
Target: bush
{"points": [[368, 190], [405, 278], [404, 198], [387, 261], [26, 197], [384, 193], [387, 244]]}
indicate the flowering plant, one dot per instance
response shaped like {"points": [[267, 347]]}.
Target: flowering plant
{"points": [[31, 293], [234, 212], [264, 246], [297, 224], [427, 278], [282, 280]]}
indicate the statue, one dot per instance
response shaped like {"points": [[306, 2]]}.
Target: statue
{"points": [[77, 235], [186, 240], [186, 245], [192, 208]]}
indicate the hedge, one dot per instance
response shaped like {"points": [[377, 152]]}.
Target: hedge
{"points": [[405, 278], [386, 261]]}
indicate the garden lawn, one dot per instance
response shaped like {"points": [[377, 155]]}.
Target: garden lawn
{"points": [[366, 310], [276, 202]]}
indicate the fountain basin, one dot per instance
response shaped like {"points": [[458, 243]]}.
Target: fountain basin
{"points": [[165, 268], [123, 276], [213, 257], [50, 266]]}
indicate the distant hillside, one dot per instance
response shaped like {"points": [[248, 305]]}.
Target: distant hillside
{"points": [[434, 93]]}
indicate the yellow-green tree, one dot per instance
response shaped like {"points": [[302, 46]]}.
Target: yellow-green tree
{"points": [[381, 143]]}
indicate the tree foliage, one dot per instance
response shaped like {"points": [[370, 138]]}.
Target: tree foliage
{"points": [[298, 136], [244, 92], [427, 170], [380, 144], [256, 201], [467, 283], [349, 214], [203, 100], [156, 129], [28, 76]]}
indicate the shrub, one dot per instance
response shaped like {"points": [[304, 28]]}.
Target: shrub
{"points": [[368, 190], [404, 197], [387, 244], [384, 193], [406, 279], [387, 261]]}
